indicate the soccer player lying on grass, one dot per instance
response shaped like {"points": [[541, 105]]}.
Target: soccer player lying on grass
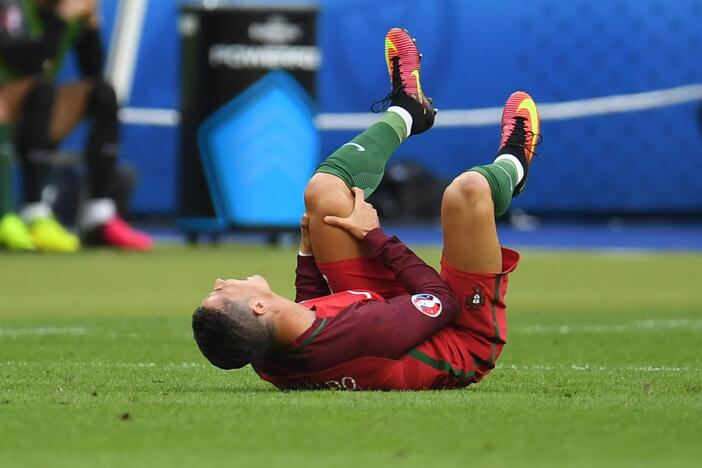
{"points": [[369, 314]]}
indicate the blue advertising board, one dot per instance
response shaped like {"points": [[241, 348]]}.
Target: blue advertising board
{"points": [[258, 152], [643, 156]]}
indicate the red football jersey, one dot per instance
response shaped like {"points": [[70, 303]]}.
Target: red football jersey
{"points": [[416, 370], [361, 341]]}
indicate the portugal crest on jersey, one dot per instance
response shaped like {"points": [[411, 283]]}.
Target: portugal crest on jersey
{"points": [[476, 300], [427, 304]]}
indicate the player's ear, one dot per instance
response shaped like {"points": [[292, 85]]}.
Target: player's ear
{"points": [[258, 306]]}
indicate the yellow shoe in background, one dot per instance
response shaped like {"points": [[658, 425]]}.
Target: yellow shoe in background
{"points": [[48, 235], [14, 233]]}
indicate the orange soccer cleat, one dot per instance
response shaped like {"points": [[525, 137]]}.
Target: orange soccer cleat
{"points": [[520, 132], [404, 64]]}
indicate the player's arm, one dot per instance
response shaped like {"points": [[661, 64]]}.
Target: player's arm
{"points": [[410, 270], [416, 276], [309, 282], [393, 328]]}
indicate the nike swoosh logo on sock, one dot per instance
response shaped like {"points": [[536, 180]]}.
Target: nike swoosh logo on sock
{"points": [[356, 145], [511, 184]]}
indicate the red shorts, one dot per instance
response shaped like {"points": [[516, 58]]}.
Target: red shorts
{"points": [[365, 274], [481, 325], [480, 330]]}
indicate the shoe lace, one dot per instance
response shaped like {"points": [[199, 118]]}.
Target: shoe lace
{"points": [[397, 87], [519, 135], [382, 104]]}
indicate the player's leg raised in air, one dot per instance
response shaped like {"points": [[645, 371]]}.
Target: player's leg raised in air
{"points": [[361, 163], [475, 198], [474, 264]]}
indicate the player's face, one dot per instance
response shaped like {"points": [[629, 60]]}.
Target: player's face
{"points": [[232, 290]]}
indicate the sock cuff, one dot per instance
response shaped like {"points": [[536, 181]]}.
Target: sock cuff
{"points": [[406, 117], [500, 185], [517, 165], [35, 211], [97, 212]]}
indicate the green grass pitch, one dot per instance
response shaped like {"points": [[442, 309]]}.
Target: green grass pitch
{"points": [[98, 368]]}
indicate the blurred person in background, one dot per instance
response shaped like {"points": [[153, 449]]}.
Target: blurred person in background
{"points": [[37, 35], [13, 232]]}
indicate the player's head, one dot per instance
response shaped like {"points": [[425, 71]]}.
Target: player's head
{"points": [[231, 327]]}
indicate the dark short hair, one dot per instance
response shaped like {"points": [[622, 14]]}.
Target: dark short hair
{"points": [[232, 337]]}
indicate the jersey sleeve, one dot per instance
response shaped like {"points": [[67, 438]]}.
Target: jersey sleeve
{"points": [[309, 282], [391, 329], [416, 276]]}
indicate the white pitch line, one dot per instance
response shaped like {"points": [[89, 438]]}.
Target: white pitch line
{"points": [[588, 367], [604, 329], [77, 331], [652, 324], [43, 331], [198, 365], [110, 365]]}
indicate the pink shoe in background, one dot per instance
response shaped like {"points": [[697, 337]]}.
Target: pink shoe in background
{"points": [[117, 233]]}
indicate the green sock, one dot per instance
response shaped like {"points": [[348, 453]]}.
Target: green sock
{"points": [[7, 201], [361, 162], [502, 177]]}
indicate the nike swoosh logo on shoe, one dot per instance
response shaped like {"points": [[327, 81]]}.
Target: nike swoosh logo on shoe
{"points": [[529, 105], [420, 93]]}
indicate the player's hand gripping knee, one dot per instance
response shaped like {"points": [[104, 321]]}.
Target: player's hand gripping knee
{"points": [[362, 220]]}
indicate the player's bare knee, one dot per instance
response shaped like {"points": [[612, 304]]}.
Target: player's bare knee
{"points": [[326, 194], [318, 188], [469, 190]]}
